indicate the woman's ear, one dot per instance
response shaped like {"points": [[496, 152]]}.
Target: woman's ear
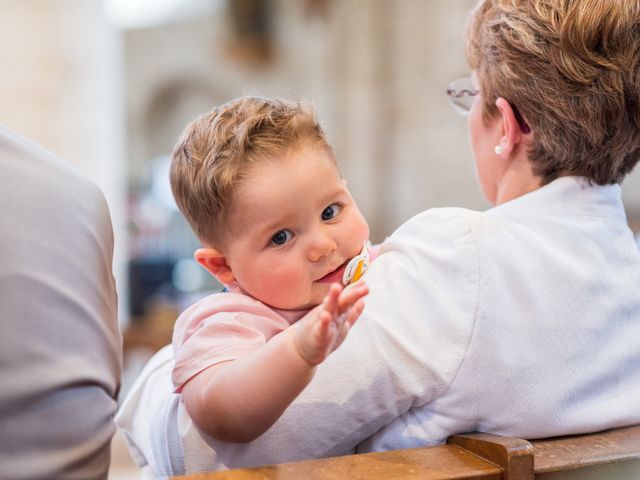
{"points": [[216, 264], [511, 132]]}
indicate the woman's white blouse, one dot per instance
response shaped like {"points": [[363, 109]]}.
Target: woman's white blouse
{"points": [[523, 320]]}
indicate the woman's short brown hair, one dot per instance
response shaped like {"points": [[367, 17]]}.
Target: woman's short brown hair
{"points": [[215, 151], [572, 69]]}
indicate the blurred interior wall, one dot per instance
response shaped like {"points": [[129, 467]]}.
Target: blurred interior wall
{"points": [[376, 70], [405, 149], [61, 87]]}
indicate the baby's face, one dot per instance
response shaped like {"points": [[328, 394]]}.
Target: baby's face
{"points": [[293, 228]]}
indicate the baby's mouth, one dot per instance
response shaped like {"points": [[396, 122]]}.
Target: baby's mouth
{"points": [[335, 275]]}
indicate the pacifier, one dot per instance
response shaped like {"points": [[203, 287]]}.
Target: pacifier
{"points": [[357, 265]]}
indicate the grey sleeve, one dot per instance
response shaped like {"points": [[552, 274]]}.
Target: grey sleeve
{"points": [[60, 346]]}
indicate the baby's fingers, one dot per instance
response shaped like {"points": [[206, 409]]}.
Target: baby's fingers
{"points": [[348, 319], [354, 313], [330, 302], [323, 335], [342, 334], [352, 294], [321, 328]]}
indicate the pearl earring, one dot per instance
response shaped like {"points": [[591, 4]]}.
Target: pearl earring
{"points": [[497, 149]]}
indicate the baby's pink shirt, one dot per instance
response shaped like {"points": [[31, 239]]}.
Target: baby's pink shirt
{"points": [[222, 327]]}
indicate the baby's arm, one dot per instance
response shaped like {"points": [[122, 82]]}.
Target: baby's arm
{"points": [[238, 401]]}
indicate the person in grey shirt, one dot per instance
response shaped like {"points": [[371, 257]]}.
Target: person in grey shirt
{"points": [[60, 346]]}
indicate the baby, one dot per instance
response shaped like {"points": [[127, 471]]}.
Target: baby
{"points": [[259, 185]]}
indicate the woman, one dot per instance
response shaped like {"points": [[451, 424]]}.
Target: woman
{"points": [[522, 320]]}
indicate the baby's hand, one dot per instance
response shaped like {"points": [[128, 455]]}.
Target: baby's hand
{"points": [[324, 328]]}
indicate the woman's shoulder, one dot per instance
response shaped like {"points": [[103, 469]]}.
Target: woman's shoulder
{"points": [[439, 225], [437, 243]]}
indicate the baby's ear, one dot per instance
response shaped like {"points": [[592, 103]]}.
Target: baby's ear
{"points": [[216, 263]]}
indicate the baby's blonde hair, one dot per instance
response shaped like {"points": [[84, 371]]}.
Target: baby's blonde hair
{"points": [[572, 68], [214, 152]]}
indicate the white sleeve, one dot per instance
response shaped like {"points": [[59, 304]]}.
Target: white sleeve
{"points": [[403, 352]]}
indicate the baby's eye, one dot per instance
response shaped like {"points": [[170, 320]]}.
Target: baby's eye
{"points": [[282, 237], [331, 211]]}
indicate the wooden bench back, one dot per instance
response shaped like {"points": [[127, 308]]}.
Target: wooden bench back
{"points": [[610, 455]]}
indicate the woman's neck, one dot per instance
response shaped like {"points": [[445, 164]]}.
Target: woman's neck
{"points": [[517, 180]]}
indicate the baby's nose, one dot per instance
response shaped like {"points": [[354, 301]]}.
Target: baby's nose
{"points": [[321, 246]]}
